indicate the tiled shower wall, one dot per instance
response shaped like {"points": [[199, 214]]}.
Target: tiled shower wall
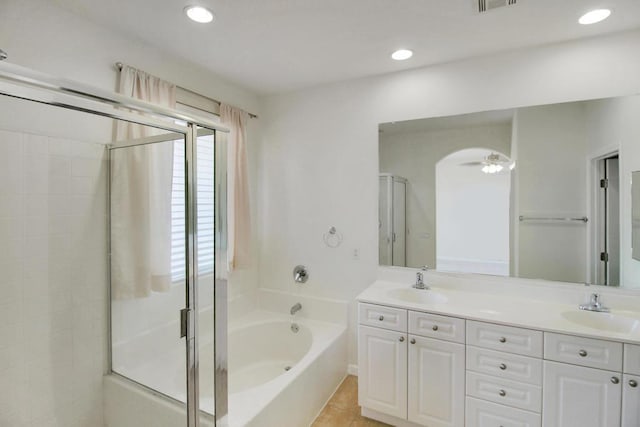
{"points": [[53, 281]]}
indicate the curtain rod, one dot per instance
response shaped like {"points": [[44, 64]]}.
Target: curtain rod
{"points": [[119, 66]]}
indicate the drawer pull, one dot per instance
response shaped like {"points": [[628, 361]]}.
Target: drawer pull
{"points": [[503, 366], [435, 327], [401, 339], [615, 380], [502, 393], [413, 340], [583, 353], [633, 383], [503, 339], [381, 318]]}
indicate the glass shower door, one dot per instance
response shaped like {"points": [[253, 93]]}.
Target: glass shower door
{"points": [[149, 264]]}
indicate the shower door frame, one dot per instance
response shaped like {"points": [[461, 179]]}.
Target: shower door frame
{"points": [[29, 85]]}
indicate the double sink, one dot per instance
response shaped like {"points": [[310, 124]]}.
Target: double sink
{"points": [[618, 322]]}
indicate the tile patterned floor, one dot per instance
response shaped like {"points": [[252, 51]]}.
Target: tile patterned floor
{"points": [[343, 410]]}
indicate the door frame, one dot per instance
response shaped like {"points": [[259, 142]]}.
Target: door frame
{"points": [[594, 240]]}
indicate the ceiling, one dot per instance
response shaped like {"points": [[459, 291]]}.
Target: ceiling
{"points": [[274, 46]]}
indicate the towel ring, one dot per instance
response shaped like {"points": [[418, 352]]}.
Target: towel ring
{"points": [[332, 238]]}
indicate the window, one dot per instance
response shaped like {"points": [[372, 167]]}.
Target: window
{"points": [[205, 198], [205, 194]]}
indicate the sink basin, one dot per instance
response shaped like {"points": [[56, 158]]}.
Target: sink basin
{"points": [[425, 296], [603, 321]]}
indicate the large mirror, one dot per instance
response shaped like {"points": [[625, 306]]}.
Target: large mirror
{"points": [[538, 192]]}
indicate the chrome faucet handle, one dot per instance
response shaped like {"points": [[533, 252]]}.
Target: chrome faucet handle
{"points": [[594, 304], [420, 278]]}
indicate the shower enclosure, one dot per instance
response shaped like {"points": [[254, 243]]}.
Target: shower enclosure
{"points": [[392, 233], [130, 229]]}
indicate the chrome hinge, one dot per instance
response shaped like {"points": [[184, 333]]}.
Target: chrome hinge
{"points": [[186, 323], [604, 183], [604, 256]]}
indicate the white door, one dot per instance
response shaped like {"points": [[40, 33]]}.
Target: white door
{"points": [[631, 401], [436, 382], [580, 397], [382, 370]]}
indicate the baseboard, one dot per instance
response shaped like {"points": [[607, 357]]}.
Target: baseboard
{"points": [[352, 369]]}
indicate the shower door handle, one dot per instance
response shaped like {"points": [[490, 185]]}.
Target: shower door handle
{"points": [[186, 320]]}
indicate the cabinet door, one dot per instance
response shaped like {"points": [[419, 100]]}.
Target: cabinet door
{"points": [[575, 396], [436, 382], [382, 369], [631, 401]]}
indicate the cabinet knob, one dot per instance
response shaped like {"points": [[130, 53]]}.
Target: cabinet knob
{"points": [[401, 339], [503, 339], [583, 353], [413, 341], [615, 380], [381, 318], [502, 393], [503, 366], [435, 327], [633, 383]]}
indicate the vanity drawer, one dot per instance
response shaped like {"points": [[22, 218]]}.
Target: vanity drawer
{"points": [[505, 392], [434, 326], [583, 351], [632, 359], [505, 338], [383, 317], [504, 365], [480, 413]]}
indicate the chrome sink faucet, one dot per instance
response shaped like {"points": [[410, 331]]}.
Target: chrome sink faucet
{"points": [[420, 279], [594, 305]]}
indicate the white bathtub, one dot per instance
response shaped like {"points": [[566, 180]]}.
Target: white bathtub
{"points": [[276, 377]]}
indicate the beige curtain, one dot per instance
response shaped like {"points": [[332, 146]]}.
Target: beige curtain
{"points": [[239, 218], [141, 180]]}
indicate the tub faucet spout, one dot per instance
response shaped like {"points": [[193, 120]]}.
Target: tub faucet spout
{"points": [[296, 308]]}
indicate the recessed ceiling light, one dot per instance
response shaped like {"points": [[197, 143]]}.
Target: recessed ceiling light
{"points": [[402, 54], [199, 14], [594, 16]]}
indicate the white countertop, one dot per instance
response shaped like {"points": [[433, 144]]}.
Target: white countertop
{"points": [[483, 304]]}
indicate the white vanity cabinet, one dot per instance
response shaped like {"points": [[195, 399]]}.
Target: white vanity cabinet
{"points": [[504, 376], [436, 370], [630, 400], [422, 369], [382, 366], [631, 386], [410, 374], [582, 381], [577, 396]]}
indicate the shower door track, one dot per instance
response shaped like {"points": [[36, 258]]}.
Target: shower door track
{"points": [[23, 83]]}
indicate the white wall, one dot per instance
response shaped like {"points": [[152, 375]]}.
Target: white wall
{"points": [[320, 162], [552, 182], [612, 124], [472, 211], [53, 285], [414, 155]]}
